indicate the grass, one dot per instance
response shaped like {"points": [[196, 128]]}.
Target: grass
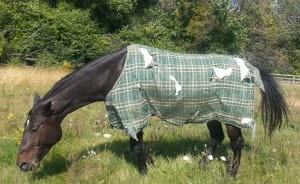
{"points": [[71, 161]]}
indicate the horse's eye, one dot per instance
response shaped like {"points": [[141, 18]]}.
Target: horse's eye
{"points": [[34, 128]]}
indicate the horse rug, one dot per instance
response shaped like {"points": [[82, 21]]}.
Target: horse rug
{"points": [[181, 88]]}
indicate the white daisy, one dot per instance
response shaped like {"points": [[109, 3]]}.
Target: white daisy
{"points": [[210, 157], [186, 158], [223, 158], [107, 136]]}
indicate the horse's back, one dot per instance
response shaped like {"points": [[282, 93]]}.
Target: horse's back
{"points": [[181, 88]]}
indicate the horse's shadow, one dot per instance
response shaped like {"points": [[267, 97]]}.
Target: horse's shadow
{"points": [[163, 148], [56, 165]]}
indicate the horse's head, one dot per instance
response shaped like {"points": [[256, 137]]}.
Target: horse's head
{"points": [[41, 131]]}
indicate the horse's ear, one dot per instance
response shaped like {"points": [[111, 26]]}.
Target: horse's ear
{"points": [[36, 99], [47, 109]]}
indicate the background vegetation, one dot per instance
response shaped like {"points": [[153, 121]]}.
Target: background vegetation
{"points": [[86, 155], [72, 32]]}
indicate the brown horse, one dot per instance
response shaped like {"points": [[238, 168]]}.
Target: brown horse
{"points": [[93, 82]]}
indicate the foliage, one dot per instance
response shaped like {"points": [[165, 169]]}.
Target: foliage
{"points": [[156, 29], [49, 32], [110, 14], [271, 36], [2, 43], [290, 40], [38, 34], [228, 35]]}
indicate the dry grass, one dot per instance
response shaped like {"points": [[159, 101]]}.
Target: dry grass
{"points": [[70, 162], [33, 77], [17, 87], [293, 98]]}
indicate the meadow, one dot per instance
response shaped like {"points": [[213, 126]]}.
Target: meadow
{"points": [[88, 154]]}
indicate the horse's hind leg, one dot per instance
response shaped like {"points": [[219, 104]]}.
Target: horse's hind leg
{"points": [[142, 152], [216, 138], [236, 141]]}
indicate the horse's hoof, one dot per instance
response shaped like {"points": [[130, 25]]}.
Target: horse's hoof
{"points": [[143, 171], [232, 173], [203, 161], [150, 161]]}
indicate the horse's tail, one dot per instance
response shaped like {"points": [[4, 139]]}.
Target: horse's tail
{"points": [[274, 109]]}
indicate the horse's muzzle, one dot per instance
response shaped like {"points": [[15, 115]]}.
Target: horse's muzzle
{"points": [[24, 166]]}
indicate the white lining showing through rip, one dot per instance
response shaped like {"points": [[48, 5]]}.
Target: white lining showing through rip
{"points": [[247, 121], [221, 73], [250, 122], [147, 57], [244, 69], [178, 87]]}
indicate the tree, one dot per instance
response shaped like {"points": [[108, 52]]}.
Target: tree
{"points": [[48, 32], [38, 34], [110, 15], [267, 34], [222, 28]]}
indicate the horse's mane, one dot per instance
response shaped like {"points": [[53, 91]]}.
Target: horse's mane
{"points": [[77, 74]]}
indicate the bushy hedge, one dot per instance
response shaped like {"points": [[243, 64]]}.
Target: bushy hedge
{"points": [[155, 28], [36, 34], [53, 32]]}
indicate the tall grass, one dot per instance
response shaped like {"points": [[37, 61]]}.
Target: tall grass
{"points": [[85, 155]]}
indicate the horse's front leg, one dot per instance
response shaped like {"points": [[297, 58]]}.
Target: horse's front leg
{"points": [[216, 138], [142, 152], [236, 141]]}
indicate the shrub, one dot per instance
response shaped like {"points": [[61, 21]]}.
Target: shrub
{"points": [[40, 35], [157, 29]]}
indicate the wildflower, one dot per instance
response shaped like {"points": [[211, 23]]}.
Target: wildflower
{"points": [[67, 64], [106, 115], [223, 158], [91, 153], [186, 158], [9, 117], [97, 134], [210, 157], [107, 136]]}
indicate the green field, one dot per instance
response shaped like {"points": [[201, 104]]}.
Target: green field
{"points": [[85, 155]]}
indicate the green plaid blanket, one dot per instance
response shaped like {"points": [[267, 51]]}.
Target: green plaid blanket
{"points": [[181, 88]]}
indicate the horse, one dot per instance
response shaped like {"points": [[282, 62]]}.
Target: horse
{"points": [[223, 91]]}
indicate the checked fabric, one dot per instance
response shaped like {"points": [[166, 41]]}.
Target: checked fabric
{"points": [[181, 88]]}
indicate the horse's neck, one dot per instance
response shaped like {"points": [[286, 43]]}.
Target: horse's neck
{"points": [[87, 85]]}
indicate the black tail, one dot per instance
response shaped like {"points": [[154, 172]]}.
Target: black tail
{"points": [[274, 109]]}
